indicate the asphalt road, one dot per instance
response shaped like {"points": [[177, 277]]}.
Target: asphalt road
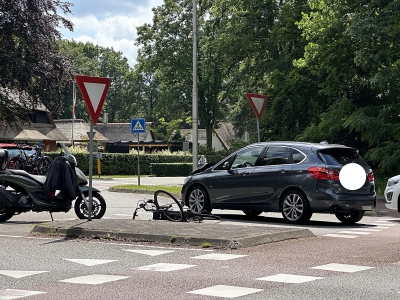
{"points": [[323, 267], [340, 262]]}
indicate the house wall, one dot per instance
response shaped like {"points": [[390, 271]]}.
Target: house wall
{"points": [[201, 135]]}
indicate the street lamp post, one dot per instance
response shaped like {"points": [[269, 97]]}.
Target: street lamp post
{"points": [[194, 92]]}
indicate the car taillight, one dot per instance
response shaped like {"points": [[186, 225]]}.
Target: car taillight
{"points": [[323, 173], [370, 176]]}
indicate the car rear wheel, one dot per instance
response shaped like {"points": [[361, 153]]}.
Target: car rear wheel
{"points": [[198, 200], [295, 207], [350, 218], [252, 213]]}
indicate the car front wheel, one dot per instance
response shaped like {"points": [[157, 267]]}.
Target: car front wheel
{"points": [[198, 200], [295, 207], [350, 218]]}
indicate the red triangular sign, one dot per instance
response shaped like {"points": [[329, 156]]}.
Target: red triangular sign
{"points": [[94, 91], [258, 103]]}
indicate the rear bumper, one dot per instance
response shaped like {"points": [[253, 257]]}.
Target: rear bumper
{"points": [[344, 203]]}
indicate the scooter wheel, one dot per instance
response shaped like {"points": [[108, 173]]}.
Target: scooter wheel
{"points": [[98, 207], [4, 216]]}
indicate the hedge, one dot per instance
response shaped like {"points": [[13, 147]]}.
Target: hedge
{"points": [[127, 164], [166, 169]]}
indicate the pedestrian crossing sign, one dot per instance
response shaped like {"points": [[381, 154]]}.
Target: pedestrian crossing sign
{"points": [[138, 125]]}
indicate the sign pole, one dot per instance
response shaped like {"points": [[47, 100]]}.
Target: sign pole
{"points": [[258, 129], [138, 157], [90, 171], [138, 126]]}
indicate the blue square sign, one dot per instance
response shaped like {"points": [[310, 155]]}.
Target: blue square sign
{"points": [[138, 125]]}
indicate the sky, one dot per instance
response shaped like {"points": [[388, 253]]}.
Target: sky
{"points": [[110, 23]]}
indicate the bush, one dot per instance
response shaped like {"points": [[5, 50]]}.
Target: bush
{"points": [[171, 169], [127, 163]]}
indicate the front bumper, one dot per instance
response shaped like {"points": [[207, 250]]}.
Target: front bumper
{"points": [[392, 197]]}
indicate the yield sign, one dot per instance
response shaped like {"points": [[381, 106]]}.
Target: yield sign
{"points": [[258, 103], [94, 90]]}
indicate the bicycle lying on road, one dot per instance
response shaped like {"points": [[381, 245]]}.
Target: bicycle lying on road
{"points": [[165, 206]]}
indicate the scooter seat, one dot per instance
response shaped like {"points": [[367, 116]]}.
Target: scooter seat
{"points": [[38, 178]]}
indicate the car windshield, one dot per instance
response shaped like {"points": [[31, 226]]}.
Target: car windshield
{"points": [[342, 157]]}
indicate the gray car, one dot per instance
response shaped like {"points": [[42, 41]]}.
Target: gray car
{"points": [[294, 178]]}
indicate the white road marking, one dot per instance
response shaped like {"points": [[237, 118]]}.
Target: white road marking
{"points": [[225, 291], [20, 274], [289, 278], [355, 232], [8, 294], [149, 252], [384, 224], [94, 279], [90, 262], [341, 236], [342, 268], [164, 267], [218, 256], [365, 229]]}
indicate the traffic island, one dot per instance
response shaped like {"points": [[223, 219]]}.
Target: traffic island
{"points": [[211, 233]]}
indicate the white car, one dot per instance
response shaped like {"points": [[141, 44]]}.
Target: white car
{"points": [[392, 192]]}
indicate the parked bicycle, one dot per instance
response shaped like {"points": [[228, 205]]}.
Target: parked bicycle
{"points": [[166, 207], [35, 163]]}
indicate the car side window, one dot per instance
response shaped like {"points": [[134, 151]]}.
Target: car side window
{"points": [[297, 156], [276, 156], [247, 157]]}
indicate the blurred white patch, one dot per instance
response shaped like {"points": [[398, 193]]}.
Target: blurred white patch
{"points": [[352, 176]]}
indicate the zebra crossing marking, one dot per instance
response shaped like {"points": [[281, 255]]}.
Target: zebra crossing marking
{"points": [[20, 274], [218, 256], [355, 232], [342, 268], [94, 279], [164, 267], [289, 278], [90, 262], [225, 291], [149, 252], [341, 236], [9, 294]]}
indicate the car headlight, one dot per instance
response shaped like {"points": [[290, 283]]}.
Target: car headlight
{"points": [[392, 182], [187, 179]]}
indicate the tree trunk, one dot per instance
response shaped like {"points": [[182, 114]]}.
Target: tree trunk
{"points": [[209, 131]]}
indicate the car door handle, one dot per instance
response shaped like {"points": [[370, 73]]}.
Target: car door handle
{"points": [[284, 170], [245, 173]]}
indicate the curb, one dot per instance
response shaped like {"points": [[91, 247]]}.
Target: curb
{"points": [[211, 235]]}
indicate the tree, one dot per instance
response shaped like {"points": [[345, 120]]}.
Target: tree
{"points": [[93, 60], [166, 53], [31, 68], [353, 51]]}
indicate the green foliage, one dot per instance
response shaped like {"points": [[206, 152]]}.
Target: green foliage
{"points": [[31, 68], [329, 67], [95, 60], [170, 169]]}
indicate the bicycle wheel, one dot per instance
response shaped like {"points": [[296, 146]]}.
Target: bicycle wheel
{"points": [[168, 206], [16, 163], [208, 216], [43, 166]]}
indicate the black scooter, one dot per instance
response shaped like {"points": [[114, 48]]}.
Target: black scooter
{"points": [[23, 192]]}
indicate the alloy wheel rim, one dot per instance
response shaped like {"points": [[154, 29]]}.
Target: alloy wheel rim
{"points": [[293, 207], [196, 200]]}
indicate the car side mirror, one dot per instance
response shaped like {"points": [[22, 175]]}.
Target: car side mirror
{"points": [[226, 165]]}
